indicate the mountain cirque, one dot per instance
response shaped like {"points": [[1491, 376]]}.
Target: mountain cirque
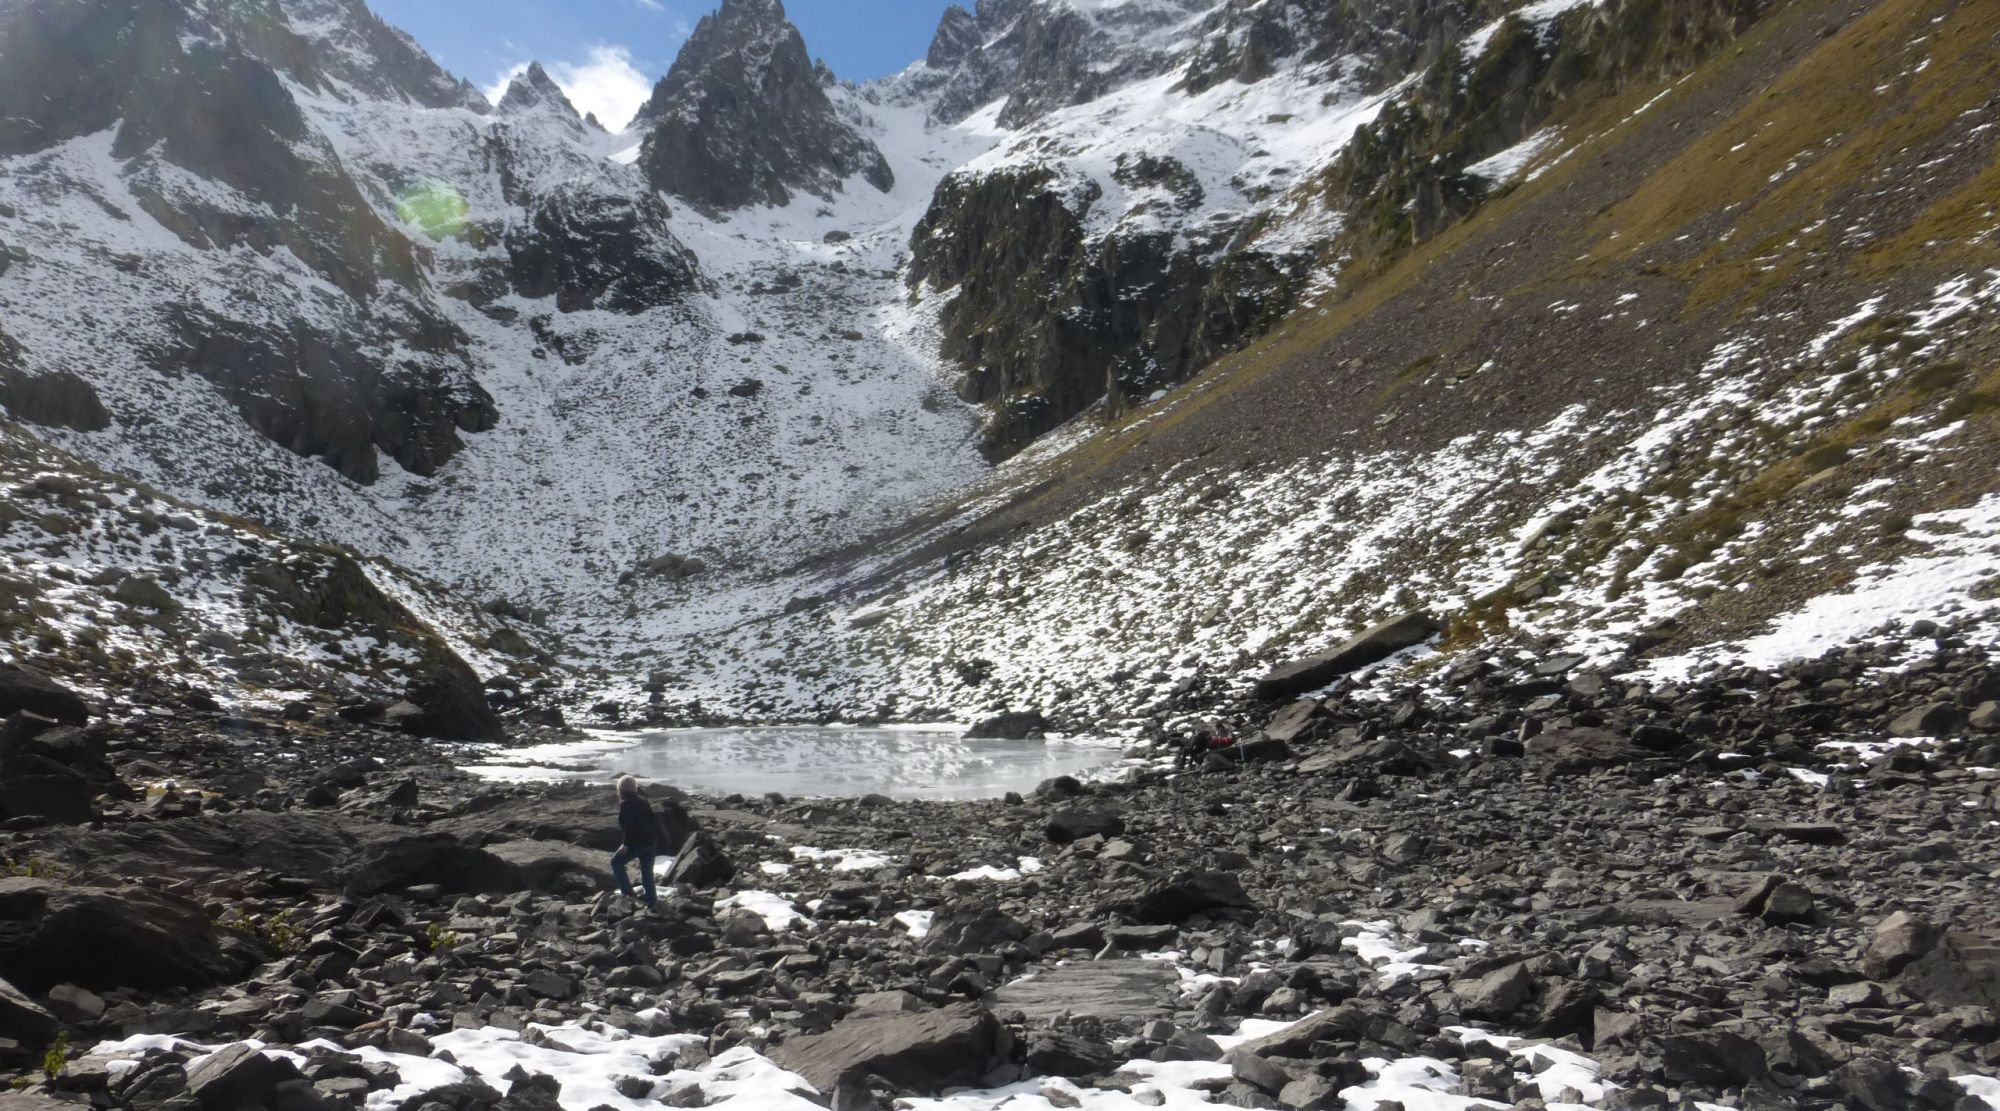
{"points": [[1578, 417]]}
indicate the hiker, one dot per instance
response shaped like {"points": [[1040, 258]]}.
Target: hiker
{"points": [[644, 841], [1193, 749]]}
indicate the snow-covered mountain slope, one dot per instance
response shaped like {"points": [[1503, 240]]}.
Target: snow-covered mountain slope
{"points": [[709, 444], [741, 403]]}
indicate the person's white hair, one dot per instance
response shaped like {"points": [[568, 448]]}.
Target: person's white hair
{"points": [[628, 788]]}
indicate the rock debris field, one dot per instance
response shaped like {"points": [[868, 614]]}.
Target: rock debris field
{"points": [[1522, 885]]}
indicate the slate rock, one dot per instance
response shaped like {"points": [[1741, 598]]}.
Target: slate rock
{"points": [[1937, 719], [1300, 720], [1960, 970], [1019, 726], [1058, 1053], [1897, 942], [63, 798], [1585, 748], [24, 1020], [238, 1076], [1377, 643], [1498, 993], [464, 1095], [924, 1052], [974, 928], [54, 933], [1066, 826], [701, 863], [1713, 1057], [1257, 1071], [75, 1004], [1185, 895], [431, 858], [25, 689]]}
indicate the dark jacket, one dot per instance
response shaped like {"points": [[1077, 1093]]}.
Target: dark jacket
{"points": [[641, 829]]}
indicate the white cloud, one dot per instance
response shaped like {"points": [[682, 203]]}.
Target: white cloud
{"points": [[606, 85], [652, 5]]}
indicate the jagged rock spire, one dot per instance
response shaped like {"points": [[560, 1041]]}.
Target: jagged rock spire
{"points": [[534, 89], [743, 117]]}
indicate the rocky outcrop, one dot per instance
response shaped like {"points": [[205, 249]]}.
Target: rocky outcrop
{"points": [[333, 394], [1402, 177], [328, 589], [1047, 320], [1042, 56], [589, 248], [24, 689], [53, 399], [534, 92], [345, 46], [742, 118], [70, 933]]}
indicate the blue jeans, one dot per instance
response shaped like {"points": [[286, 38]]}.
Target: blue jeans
{"points": [[645, 857]]}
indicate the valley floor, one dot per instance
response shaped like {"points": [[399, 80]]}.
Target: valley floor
{"points": [[1544, 891]]}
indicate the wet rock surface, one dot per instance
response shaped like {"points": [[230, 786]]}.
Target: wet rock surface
{"points": [[1725, 909]]}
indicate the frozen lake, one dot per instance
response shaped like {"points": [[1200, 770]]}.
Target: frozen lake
{"points": [[809, 760]]}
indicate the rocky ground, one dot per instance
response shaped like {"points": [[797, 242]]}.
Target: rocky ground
{"points": [[1752, 890]]}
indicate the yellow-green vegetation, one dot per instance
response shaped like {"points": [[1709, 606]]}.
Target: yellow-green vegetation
{"points": [[56, 1059], [35, 867], [440, 937], [277, 931]]}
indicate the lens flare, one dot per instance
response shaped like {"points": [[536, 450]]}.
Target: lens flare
{"points": [[434, 208]]}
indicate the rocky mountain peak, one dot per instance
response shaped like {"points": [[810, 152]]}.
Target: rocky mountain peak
{"points": [[535, 91], [957, 36], [743, 117]]}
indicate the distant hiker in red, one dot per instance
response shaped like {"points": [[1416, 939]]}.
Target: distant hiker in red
{"points": [[643, 840]]}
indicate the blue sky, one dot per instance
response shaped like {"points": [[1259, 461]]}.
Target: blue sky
{"points": [[608, 53]]}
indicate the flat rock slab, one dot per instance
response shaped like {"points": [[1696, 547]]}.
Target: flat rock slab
{"points": [[1098, 989]]}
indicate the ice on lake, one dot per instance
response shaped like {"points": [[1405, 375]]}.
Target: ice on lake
{"points": [[812, 760]]}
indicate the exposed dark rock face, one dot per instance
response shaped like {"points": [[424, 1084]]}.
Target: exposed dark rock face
{"points": [[333, 395], [23, 689], [151, 69], [742, 117], [351, 46], [1048, 322], [957, 38], [591, 249], [1246, 40], [53, 399]]}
